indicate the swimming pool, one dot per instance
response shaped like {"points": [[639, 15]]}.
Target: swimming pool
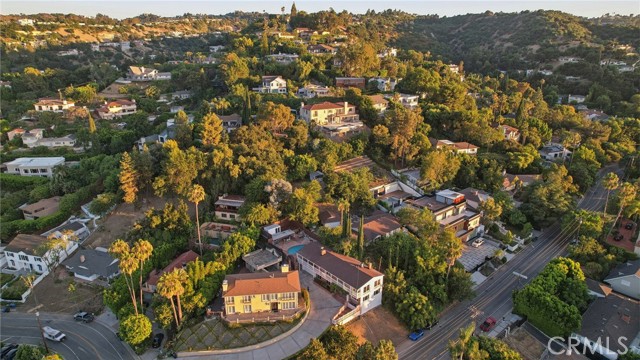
{"points": [[294, 249]]}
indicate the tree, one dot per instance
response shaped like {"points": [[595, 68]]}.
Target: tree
{"points": [[439, 167], [460, 347], [294, 10], [29, 352], [275, 117], [211, 130], [128, 178], [609, 182], [127, 264], [196, 196], [184, 130], [152, 92], [361, 238], [358, 59], [142, 250], [415, 309], [301, 207], [497, 349], [220, 104], [92, 125], [340, 343], [490, 210], [170, 286], [135, 329], [386, 351], [314, 351]]}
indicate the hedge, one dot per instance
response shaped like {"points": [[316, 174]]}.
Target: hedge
{"points": [[11, 182]]}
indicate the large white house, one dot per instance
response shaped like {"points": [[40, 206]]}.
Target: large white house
{"points": [[362, 283], [40, 166], [272, 85], [117, 108], [52, 104], [22, 253], [140, 73]]}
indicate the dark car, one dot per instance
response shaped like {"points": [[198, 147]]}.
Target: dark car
{"points": [[157, 340], [488, 324], [5, 349], [83, 316], [416, 335], [618, 237], [629, 226], [431, 325], [11, 354]]}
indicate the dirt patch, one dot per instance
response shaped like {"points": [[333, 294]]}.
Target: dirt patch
{"points": [[53, 295], [368, 327], [525, 344]]}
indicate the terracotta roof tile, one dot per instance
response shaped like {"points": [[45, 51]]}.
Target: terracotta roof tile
{"points": [[262, 283]]}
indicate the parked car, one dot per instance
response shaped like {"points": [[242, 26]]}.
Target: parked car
{"points": [[83, 316], [5, 349], [477, 242], [53, 334], [10, 355], [157, 340], [573, 242], [416, 335], [488, 324], [629, 226], [431, 325], [618, 237]]}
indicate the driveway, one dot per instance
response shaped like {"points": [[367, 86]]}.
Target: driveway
{"points": [[323, 308], [472, 256]]}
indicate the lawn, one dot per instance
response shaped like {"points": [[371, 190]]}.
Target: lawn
{"points": [[214, 335], [6, 278]]}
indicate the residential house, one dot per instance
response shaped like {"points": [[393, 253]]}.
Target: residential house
{"points": [[388, 52], [53, 104], [362, 283], [177, 95], [216, 48], [329, 215], [116, 109], [140, 73], [511, 182], [385, 83], [65, 141], [284, 35], [328, 113], [213, 233], [378, 225], [22, 253], [610, 326], [594, 115], [272, 85], [226, 207], [347, 82], [578, 99], [181, 261], [15, 132], [281, 58], [457, 147], [38, 166], [393, 193], [450, 210], [306, 34], [625, 279], [92, 264], [509, 132], [77, 229], [321, 49], [553, 152], [313, 90], [72, 52], [261, 292], [40, 208], [30, 138], [597, 289], [569, 59], [379, 103], [230, 122], [406, 100], [475, 197], [261, 259], [25, 22]]}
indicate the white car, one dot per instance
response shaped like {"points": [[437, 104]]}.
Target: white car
{"points": [[477, 242], [53, 334]]}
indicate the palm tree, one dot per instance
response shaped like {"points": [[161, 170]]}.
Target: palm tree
{"points": [[220, 104], [609, 182], [459, 348], [128, 265], [196, 195], [343, 205], [142, 250], [170, 285]]}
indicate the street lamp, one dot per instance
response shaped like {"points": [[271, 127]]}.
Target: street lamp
{"points": [[46, 347]]}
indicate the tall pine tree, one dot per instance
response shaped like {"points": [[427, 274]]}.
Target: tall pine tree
{"points": [[294, 11], [246, 110], [128, 179], [361, 238], [211, 130]]}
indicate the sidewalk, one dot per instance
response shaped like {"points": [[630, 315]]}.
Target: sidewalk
{"points": [[323, 308], [505, 322]]}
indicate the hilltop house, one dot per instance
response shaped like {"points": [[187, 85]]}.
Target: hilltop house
{"points": [[362, 283], [261, 292], [313, 90], [553, 151], [22, 253], [625, 279], [509, 132], [378, 225], [31, 141], [230, 122], [457, 147], [226, 207], [40, 208], [406, 100], [16, 132], [91, 265], [39, 166], [450, 210], [281, 58], [511, 182], [475, 197], [140, 73], [385, 84], [328, 113], [53, 104], [117, 108], [181, 261], [272, 85], [347, 82], [321, 49], [29, 137], [379, 103]]}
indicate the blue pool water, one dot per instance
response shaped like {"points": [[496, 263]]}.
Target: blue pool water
{"points": [[294, 249]]}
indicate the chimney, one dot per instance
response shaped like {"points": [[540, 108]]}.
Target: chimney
{"points": [[284, 268], [346, 107], [323, 251], [82, 258], [225, 286], [142, 69], [370, 266]]}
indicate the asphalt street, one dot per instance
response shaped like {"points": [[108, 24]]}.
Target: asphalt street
{"points": [[493, 297], [83, 342]]}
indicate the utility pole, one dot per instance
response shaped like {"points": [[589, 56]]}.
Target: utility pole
{"points": [[46, 347]]}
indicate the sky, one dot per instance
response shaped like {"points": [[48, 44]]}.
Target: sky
{"points": [[123, 9]]}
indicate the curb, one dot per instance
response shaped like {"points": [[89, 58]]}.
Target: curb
{"points": [[250, 347]]}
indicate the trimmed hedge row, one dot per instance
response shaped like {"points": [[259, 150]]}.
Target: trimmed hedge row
{"points": [[11, 182]]}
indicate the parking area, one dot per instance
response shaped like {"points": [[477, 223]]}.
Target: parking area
{"points": [[623, 236], [472, 257]]}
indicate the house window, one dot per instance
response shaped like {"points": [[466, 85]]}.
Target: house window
{"points": [[23, 257], [246, 299], [232, 216], [38, 259], [376, 292], [287, 296], [40, 268], [269, 297], [367, 288], [10, 254], [288, 306], [231, 309], [224, 215], [247, 308], [229, 300], [365, 298]]}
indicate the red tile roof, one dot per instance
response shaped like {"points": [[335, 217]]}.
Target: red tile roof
{"points": [[262, 283], [178, 262], [322, 106]]}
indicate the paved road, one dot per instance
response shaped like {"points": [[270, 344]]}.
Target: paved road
{"points": [[493, 297], [84, 341]]}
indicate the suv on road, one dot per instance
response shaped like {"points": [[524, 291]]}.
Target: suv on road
{"points": [[53, 334], [83, 316], [488, 324]]}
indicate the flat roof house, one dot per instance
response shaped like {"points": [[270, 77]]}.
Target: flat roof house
{"points": [[362, 282], [40, 208], [39, 166], [140, 73], [227, 206], [552, 152]]}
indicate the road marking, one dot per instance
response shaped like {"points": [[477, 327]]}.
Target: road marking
{"points": [[520, 275]]}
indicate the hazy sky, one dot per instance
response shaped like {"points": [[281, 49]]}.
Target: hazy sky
{"points": [[124, 9]]}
